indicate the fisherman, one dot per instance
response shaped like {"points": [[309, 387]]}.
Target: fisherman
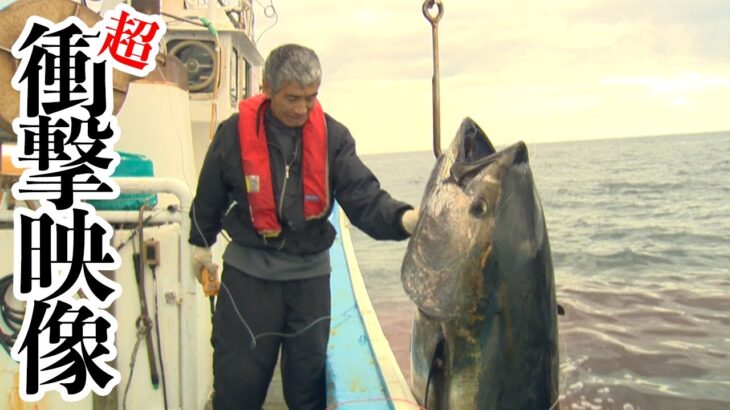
{"points": [[270, 179]]}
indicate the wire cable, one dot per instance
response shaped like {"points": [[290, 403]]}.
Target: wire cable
{"points": [[157, 331], [170, 208], [133, 362], [269, 12], [254, 337], [192, 20]]}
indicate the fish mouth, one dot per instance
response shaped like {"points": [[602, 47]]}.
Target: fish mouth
{"points": [[475, 151], [474, 144]]}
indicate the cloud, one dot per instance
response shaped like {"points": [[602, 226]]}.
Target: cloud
{"points": [[663, 11], [682, 83], [355, 40], [558, 70], [702, 27]]}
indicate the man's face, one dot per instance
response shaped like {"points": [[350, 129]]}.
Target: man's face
{"points": [[293, 102]]}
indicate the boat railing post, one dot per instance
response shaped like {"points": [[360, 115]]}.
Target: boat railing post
{"points": [[188, 302]]}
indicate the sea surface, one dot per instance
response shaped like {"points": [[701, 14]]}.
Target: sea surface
{"points": [[640, 237]]}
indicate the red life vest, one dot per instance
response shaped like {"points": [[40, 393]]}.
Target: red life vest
{"points": [[257, 171]]}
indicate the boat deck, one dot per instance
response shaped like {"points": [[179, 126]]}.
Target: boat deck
{"points": [[275, 395], [361, 369]]}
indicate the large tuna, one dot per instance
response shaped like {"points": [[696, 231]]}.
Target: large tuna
{"points": [[479, 269]]}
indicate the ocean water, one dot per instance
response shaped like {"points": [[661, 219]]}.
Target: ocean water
{"points": [[640, 237]]}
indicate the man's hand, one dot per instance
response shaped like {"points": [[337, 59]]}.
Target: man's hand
{"points": [[202, 258], [409, 219]]}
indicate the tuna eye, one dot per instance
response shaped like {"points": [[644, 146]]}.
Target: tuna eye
{"points": [[479, 208]]}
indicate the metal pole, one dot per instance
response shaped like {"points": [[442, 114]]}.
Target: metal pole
{"points": [[434, 20]]}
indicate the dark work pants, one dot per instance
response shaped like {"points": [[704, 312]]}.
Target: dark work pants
{"points": [[241, 373]]}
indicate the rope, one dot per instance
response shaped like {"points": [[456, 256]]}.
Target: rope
{"points": [[140, 335]]}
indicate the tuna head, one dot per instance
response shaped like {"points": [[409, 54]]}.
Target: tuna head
{"points": [[478, 204], [478, 267]]}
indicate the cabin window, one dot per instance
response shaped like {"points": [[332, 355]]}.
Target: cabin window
{"points": [[245, 89], [233, 77]]}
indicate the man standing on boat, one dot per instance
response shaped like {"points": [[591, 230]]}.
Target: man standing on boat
{"points": [[270, 179]]}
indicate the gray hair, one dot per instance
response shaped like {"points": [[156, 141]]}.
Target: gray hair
{"points": [[292, 62]]}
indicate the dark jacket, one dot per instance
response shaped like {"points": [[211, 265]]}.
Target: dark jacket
{"points": [[352, 184]]}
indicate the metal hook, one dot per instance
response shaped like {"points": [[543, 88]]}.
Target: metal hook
{"points": [[434, 20]]}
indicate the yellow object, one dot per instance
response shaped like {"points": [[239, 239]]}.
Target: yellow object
{"points": [[211, 283], [7, 168]]}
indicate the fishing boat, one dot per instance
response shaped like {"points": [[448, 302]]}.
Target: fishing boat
{"points": [[208, 61]]}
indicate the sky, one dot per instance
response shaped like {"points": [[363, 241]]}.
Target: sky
{"points": [[530, 70], [537, 71]]}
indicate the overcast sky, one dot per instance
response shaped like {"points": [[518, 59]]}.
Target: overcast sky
{"points": [[536, 71]]}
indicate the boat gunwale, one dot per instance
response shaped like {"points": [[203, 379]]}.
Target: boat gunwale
{"points": [[392, 376]]}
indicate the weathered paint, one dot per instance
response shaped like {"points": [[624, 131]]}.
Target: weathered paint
{"points": [[361, 368]]}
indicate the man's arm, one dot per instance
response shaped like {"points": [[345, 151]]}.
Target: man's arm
{"points": [[211, 198], [357, 189]]}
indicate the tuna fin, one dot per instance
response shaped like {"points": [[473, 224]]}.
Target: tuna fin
{"points": [[436, 372], [561, 310]]}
